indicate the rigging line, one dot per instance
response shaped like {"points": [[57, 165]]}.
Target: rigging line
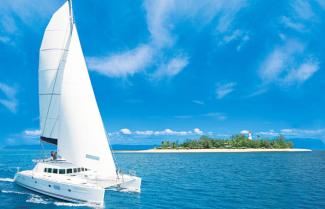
{"points": [[42, 147], [64, 54], [71, 14], [56, 119], [110, 146]]}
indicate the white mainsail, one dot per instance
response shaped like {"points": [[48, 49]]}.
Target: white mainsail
{"points": [[69, 111], [51, 63]]}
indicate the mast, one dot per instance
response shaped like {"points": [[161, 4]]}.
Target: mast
{"points": [[71, 15]]}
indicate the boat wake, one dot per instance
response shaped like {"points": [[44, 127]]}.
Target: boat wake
{"points": [[69, 204], [6, 179], [33, 198], [37, 199], [117, 189], [13, 192]]}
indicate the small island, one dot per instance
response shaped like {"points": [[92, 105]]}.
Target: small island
{"points": [[236, 143]]}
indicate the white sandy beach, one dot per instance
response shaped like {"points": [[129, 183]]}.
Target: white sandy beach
{"points": [[212, 150]]}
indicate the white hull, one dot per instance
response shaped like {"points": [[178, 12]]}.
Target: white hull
{"points": [[64, 191], [74, 184]]}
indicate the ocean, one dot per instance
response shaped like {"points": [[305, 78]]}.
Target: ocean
{"points": [[192, 180]]}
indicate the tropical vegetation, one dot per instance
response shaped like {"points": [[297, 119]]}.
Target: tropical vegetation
{"points": [[235, 142]]}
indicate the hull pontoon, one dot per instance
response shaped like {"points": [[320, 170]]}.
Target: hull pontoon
{"points": [[63, 180]]}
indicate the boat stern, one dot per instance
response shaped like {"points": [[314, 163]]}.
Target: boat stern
{"points": [[130, 184]]}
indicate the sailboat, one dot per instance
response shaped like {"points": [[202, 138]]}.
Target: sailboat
{"points": [[83, 166]]}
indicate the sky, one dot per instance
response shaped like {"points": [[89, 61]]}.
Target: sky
{"points": [[176, 69]]}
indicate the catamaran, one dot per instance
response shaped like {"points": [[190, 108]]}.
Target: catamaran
{"points": [[83, 166]]}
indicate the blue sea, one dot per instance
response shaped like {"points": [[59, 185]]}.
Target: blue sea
{"points": [[193, 180]]}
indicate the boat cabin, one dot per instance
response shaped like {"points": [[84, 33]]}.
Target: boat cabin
{"points": [[59, 167], [64, 171]]}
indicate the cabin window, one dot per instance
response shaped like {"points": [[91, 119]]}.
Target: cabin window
{"points": [[79, 169], [69, 170], [55, 170], [56, 187], [82, 169], [49, 170], [62, 171], [45, 170], [75, 170]]}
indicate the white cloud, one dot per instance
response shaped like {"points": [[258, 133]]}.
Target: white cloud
{"points": [[137, 60], [229, 10], [165, 132], [301, 16], [233, 36], [32, 133], [172, 68], [172, 132], [225, 89], [259, 91], [147, 133], [321, 3], [198, 102], [244, 40], [217, 115], [304, 132], [239, 35], [9, 91], [198, 131], [125, 131], [16, 14], [293, 132], [303, 73], [5, 39], [158, 14], [302, 9], [288, 22], [10, 105], [270, 133], [285, 65], [28, 136], [279, 60], [161, 17], [123, 64], [244, 132], [183, 116], [9, 99], [290, 63]]}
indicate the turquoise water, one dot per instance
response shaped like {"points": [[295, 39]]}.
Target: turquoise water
{"points": [[192, 180]]}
